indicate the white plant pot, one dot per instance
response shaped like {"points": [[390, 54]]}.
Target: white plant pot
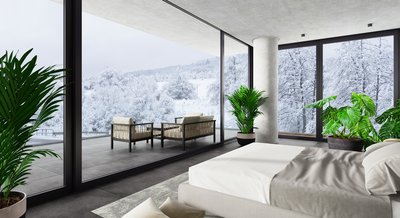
{"points": [[245, 139], [16, 210]]}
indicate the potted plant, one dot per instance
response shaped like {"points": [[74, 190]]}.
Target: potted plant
{"points": [[245, 103], [390, 123], [348, 127], [28, 97]]}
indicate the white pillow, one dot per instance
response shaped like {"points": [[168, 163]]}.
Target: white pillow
{"points": [[175, 209], [382, 170], [147, 209], [375, 147]]}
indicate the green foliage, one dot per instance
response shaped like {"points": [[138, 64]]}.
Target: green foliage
{"points": [[28, 98], [245, 103], [349, 121], [390, 120]]}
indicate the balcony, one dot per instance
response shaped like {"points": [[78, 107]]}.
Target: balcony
{"points": [[99, 160]]}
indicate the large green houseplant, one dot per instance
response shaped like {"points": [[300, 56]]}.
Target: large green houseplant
{"points": [[348, 127], [390, 123], [245, 108], [28, 98]]}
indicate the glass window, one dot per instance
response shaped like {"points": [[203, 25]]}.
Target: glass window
{"points": [[38, 24], [363, 66], [150, 67], [236, 73], [297, 68]]}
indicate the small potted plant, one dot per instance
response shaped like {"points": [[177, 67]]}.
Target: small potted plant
{"points": [[390, 123], [348, 127], [28, 98], [245, 103]]}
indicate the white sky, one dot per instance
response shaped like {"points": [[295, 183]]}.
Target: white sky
{"points": [[38, 24]]}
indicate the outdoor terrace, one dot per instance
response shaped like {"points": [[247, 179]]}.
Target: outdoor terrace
{"points": [[99, 160]]}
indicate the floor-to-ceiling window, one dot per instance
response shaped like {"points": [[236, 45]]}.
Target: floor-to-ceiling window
{"points": [[297, 87], [145, 65], [236, 74], [362, 66], [38, 24]]}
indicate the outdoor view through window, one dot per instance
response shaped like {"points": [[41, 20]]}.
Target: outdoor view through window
{"points": [[151, 67], [38, 24]]}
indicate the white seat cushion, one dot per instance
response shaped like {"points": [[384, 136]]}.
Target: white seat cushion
{"points": [[175, 209], [147, 209]]}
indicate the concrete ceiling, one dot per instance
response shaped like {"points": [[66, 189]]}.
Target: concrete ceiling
{"points": [[288, 19], [248, 19], [157, 18]]}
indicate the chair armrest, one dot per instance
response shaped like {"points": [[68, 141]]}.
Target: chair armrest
{"points": [[177, 118], [169, 126], [143, 124]]}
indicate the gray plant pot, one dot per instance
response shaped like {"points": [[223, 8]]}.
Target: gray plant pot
{"points": [[245, 139], [16, 210], [353, 144]]}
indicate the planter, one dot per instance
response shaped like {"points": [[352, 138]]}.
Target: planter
{"points": [[245, 139], [17, 209], [353, 144]]}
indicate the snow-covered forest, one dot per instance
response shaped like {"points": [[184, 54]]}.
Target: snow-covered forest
{"points": [[296, 89], [361, 66], [156, 95], [159, 95]]}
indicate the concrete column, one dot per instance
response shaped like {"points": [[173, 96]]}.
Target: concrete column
{"points": [[266, 79]]}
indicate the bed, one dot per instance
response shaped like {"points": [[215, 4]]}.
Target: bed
{"points": [[270, 180]]}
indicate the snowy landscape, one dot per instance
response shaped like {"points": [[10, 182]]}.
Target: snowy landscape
{"points": [[159, 95], [363, 66]]}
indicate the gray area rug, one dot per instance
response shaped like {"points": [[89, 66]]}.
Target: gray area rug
{"points": [[159, 193]]}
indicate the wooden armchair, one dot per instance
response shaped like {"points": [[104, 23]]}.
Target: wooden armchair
{"points": [[126, 130], [188, 128]]}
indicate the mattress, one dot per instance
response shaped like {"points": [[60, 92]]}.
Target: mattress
{"points": [[246, 172]]}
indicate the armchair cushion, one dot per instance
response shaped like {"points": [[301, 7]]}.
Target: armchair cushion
{"points": [[194, 114], [122, 120], [190, 119]]}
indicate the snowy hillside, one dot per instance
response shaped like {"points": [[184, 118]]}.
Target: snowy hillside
{"points": [[156, 95]]}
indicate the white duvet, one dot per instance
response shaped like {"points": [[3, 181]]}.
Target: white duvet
{"points": [[246, 172]]}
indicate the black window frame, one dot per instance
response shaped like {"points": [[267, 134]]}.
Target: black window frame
{"points": [[72, 45], [319, 44]]}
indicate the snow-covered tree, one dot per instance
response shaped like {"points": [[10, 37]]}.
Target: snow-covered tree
{"points": [[297, 68], [179, 89]]}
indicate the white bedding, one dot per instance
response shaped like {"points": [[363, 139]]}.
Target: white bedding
{"points": [[245, 172]]}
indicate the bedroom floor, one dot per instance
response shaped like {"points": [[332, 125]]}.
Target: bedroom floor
{"points": [[80, 204]]}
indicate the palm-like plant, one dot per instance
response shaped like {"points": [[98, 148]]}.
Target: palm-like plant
{"points": [[245, 103], [28, 98], [390, 120]]}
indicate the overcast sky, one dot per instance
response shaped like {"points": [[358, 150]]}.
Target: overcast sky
{"points": [[38, 24]]}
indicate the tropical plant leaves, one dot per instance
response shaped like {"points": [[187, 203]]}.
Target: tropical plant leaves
{"points": [[245, 103], [348, 116], [349, 121], [390, 120], [390, 130], [28, 98], [364, 103], [321, 103]]}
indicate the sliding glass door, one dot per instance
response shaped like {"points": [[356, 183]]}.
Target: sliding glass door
{"points": [[38, 25]]}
